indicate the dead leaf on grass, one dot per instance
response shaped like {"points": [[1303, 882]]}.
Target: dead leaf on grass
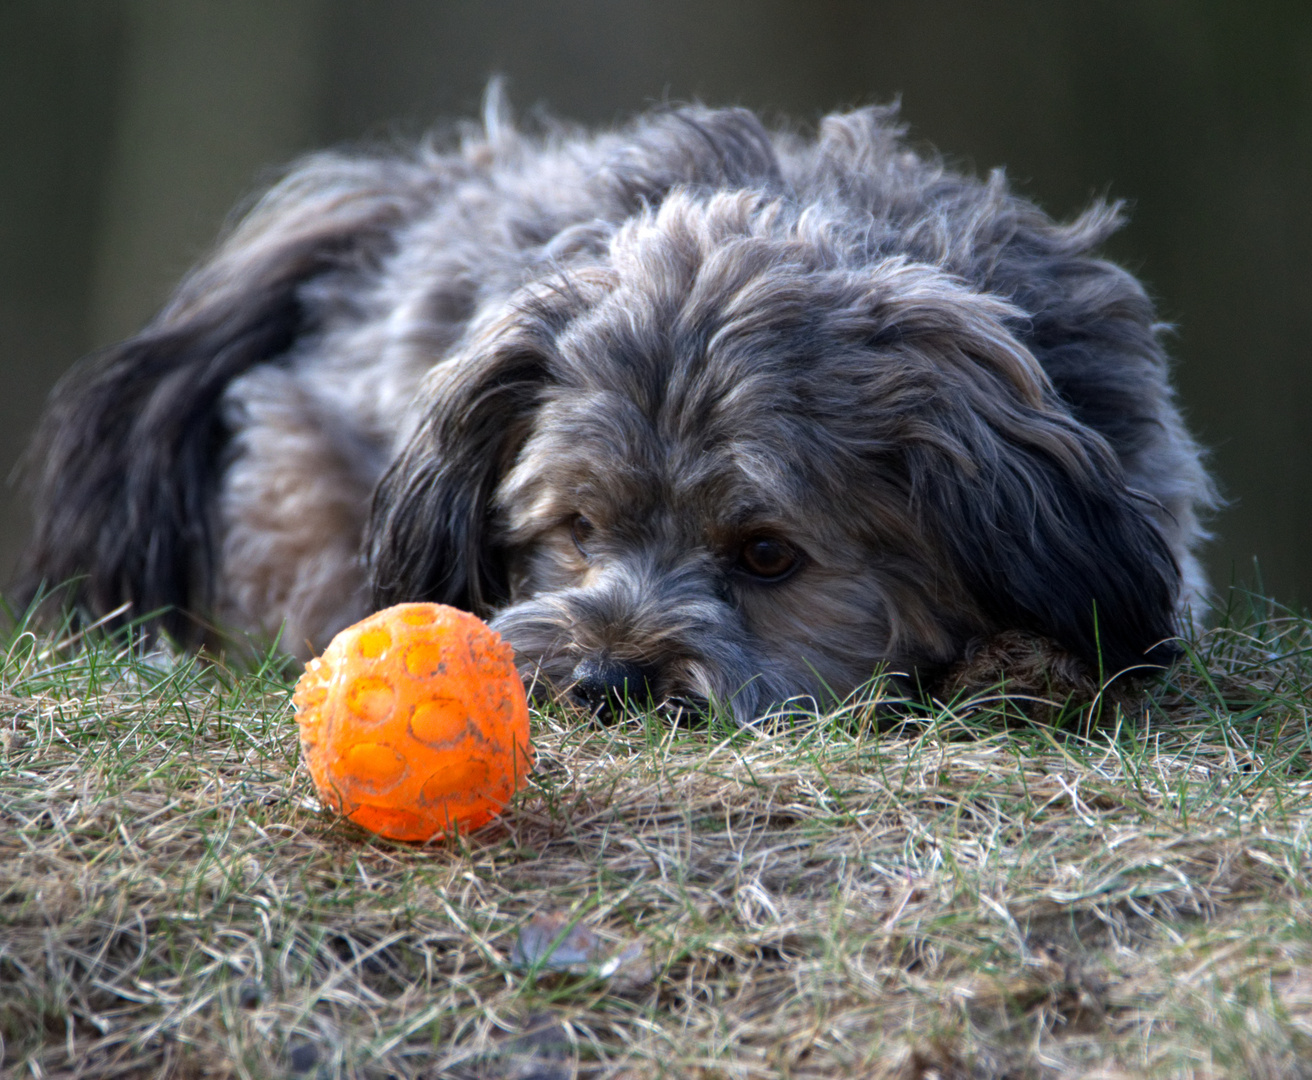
{"points": [[556, 943]]}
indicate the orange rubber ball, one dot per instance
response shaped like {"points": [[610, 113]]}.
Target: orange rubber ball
{"points": [[414, 722]]}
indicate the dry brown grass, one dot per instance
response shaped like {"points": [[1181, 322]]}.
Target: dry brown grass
{"points": [[964, 897]]}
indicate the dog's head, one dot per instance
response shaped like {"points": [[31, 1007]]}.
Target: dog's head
{"points": [[721, 454]]}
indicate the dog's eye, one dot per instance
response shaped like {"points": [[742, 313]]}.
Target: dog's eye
{"points": [[581, 530], [768, 558]]}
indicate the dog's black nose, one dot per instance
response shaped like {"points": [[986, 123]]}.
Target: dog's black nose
{"points": [[603, 684]]}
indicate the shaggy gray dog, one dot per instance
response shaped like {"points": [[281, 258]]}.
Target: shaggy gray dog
{"points": [[692, 409]]}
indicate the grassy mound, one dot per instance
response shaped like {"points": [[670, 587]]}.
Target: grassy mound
{"points": [[963, 896]]}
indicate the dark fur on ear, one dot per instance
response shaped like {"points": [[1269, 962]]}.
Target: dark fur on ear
{"points": [[428, 537], [1062, 555], [1029, 510], [124, 468], [1032, 509]]}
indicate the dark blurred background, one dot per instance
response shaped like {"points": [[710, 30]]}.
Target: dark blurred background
{"points": [[131, 128]]}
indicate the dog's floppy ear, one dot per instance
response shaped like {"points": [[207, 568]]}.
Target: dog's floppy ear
{"points": [[125, 465], [427, 537], [1030, 507], [1067, 555]]}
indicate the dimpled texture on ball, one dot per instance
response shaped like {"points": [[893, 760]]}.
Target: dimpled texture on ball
{"points": [[414, 722]]}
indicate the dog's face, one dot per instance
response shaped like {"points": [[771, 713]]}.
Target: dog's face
{"points": [[724, 459]]}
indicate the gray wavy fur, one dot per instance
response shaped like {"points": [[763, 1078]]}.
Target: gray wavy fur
{"points": [[566, 380]]}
